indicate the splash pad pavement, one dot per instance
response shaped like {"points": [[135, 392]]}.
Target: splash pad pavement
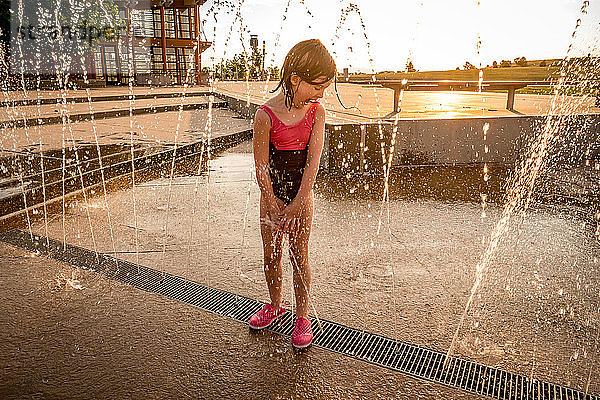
{"points": [[537, 322]]}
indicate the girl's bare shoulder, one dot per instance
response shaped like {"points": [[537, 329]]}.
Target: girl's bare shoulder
{"points": [[262, 119], [320, 109], [276, 106], [271, 103]]}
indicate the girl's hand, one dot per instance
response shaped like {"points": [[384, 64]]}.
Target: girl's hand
{"points": [[280, 204], [274, 208], [289, 218]]}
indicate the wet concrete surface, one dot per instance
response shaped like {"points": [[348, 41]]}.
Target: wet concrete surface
{"points": [[108, 340], [147, 129], [67, 164], [9, 115], [20, 95], [536, 313]]}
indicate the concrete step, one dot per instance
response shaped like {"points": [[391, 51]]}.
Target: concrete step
{"points": [[13, 99], [18, 117]]}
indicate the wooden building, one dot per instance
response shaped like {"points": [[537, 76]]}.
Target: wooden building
{"points": [[161, 37]]}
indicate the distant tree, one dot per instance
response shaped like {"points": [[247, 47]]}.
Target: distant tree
{"points": [[468, 65], [521, 61], [232, 69], [410, 67], [102, 14], [457, 68], [543, 63], [505, 63], [255, 64], [495, 64], [274, 73]]}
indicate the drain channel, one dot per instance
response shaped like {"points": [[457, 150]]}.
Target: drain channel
{"points": [[399, 356]]}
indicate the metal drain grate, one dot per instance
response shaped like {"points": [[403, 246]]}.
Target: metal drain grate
{"points": [[404, 357]]}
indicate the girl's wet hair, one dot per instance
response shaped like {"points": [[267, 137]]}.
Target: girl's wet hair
{"points": [[311, 61]]}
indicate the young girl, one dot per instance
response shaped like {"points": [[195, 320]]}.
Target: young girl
{"points": [[288, 140]]}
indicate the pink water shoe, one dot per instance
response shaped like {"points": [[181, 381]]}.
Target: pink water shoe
{"points": [[266, 316], [302, 336]]}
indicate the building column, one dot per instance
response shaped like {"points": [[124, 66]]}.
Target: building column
{"points": [[103, 65], [163, 42], [197, 39], [118, 63], [90, 62]]}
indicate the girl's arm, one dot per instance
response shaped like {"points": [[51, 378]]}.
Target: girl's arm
{"points": [[315, 147], [260, 143]]}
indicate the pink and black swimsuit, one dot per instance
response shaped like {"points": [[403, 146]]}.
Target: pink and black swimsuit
{"points": [[288, 147]]}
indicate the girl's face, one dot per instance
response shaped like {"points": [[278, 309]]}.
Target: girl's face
{"points": [[305, 92]]}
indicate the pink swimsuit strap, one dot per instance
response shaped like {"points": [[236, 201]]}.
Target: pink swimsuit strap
{"points": [[291, 137]]}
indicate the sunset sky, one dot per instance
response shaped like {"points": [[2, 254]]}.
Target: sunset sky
{"points": [[437, 34]]}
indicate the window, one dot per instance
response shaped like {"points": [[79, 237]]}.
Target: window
{"points": [[169, 22], [142, 60], [156, 15], [183, 23], [111, 63], [127, 69], [179, 23], [185, 60], [192, 18], [171, 61], [124, 51], [142, 23], [156, 60], [98, 63]]}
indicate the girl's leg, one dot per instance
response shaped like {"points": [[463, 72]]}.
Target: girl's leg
{"points": [[272, 247], [299, 258]]}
